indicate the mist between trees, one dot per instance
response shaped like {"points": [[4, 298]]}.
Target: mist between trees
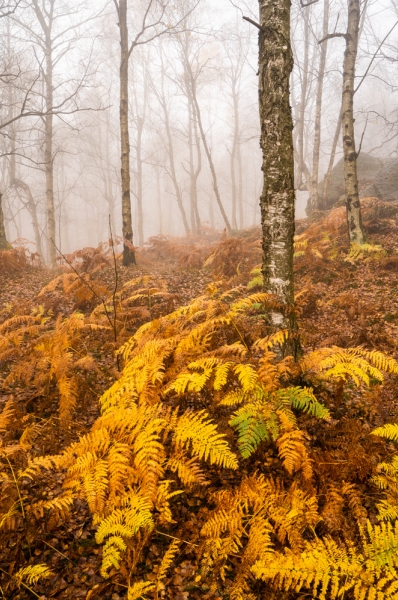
{"points": [[172, 88]]}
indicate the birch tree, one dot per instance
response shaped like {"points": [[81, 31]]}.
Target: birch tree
{"points": [[314, 197], [278, 195], [152, 24], [354, 218]]}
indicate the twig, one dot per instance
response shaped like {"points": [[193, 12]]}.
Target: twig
{"points": [[22, 583], [16, 483], [88, 285], [174, 538], [308, 3], [61, 553], [374, 56]]}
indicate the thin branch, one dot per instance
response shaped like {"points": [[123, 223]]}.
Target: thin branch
{"points": [[334, 35], [249, 20], [308, 3], [363, 135], [374, 56]]}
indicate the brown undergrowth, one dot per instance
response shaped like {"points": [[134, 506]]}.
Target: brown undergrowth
{"points": [[209, 469]]}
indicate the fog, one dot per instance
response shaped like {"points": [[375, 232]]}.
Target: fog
{"points": [[192, 93]]}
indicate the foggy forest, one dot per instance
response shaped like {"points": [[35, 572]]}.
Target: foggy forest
{"points": [[199, 299]]}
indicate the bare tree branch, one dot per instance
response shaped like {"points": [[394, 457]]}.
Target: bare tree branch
{"points": [[333, 35], [308, 3], [374, 56], [254, 23]]}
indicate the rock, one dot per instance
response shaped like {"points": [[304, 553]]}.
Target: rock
{"points": [[369, 168], [385, 185]]}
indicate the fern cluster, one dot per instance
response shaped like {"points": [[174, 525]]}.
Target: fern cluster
{"points": [[201, 394]]}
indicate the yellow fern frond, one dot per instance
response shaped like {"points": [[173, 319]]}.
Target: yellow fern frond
{"points": [[292, 451], [167, 560], [32, 574], [388, 431], [8, 516], [196, 430], [246, 303], [136, 591], [187, 469], [247, 376], [120, 524], [6, 415], [278, 338]]}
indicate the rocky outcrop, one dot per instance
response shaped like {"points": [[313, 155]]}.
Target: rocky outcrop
{"points": [[369, 168], [385, 185]]}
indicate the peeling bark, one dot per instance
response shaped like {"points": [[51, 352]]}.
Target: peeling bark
{"points": [[354, 218], [277, 199]]}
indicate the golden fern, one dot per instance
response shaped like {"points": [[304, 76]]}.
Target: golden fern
{"points": [[123, 523], [32, 574], [136, 591], [357, 364], [167, 561], [326, 569], [387, 477]]}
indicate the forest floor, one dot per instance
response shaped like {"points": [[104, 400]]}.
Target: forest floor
{"points": [[341, 302]]}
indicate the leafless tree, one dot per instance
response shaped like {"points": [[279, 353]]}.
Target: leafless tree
{"points": [[54, 31], [153, 23]]}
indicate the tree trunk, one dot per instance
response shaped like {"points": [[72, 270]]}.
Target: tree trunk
{"points": [[233, 156], [314, 201], [240, 188], [278, 196], [140, 213], [354, 218], [303, 101], [209, 157], [159, 199], [326, 180], [31, 206], [194, 225], [3, 238], [128, 251], [172, 173], [193, 136], [198, 169], [48, 154]]}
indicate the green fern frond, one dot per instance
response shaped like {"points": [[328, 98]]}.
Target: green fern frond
{"points": [[257, 281], [251, 427], [303, 399]]}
